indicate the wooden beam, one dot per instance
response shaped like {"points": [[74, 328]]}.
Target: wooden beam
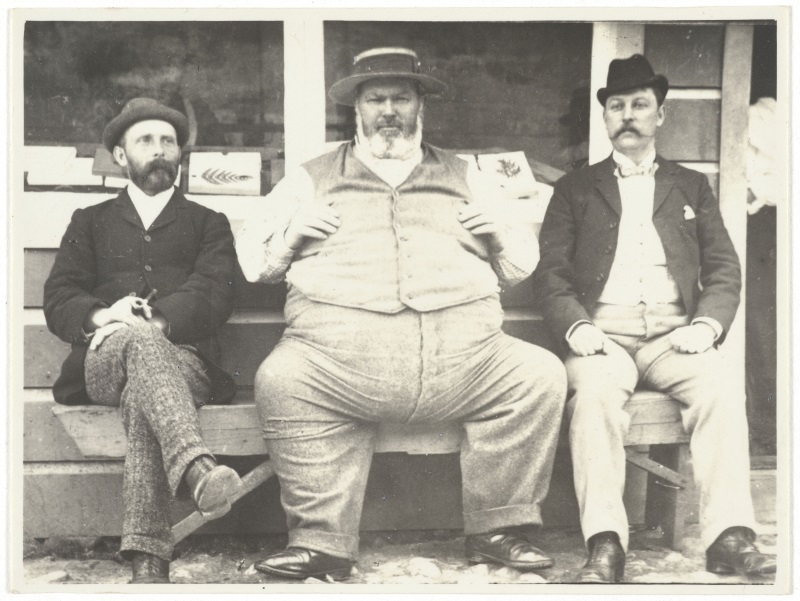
{"points": [[304, 80], [736, 73], [609, 41]]}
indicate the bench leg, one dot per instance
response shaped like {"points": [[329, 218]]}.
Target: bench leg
{"points": [[252, 480], [666, 503]]}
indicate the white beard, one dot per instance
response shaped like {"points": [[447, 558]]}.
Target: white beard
{"points": [[390, 147]]}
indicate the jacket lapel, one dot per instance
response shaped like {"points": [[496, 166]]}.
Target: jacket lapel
{"points": [[606, 183], [665, 179], [169, 214], [127, 210]]}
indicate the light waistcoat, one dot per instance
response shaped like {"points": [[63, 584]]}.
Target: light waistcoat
{"points": [[396, 247], [639, 272]]}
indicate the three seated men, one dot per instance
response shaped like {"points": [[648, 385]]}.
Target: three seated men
{"points": [[395, 253]]}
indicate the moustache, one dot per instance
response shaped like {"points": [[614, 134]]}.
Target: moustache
{"points": [[161, 164], [627, 129]]}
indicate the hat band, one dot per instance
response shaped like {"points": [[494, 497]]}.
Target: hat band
{"points": [[385, 64]]}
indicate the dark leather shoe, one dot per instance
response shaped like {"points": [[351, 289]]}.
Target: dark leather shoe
{"points": [[212, 486], [507, 548], [606, 563], [149, 569], [734, 553], [297, 562]]}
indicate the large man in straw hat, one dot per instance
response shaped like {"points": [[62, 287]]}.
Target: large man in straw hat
{"points": [[640, 280], [393, 256], [139, 286]]}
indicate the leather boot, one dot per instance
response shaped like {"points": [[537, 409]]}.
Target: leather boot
{"points": [[734, 553], [301, 563], [149, 569], [212, 486], [606, 563], [506, 547]]}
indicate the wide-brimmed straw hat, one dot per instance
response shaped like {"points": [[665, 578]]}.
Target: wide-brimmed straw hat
{"points": [[383, 63], [144, 109], [630, 74]]}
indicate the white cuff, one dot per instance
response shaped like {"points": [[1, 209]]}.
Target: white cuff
{"points": [[710, 321], [574, 326]]}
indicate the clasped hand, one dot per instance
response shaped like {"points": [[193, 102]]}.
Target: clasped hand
{"points": [[127, 311], [588, 339]]}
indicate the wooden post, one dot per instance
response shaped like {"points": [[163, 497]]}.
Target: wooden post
{"points": [[609, 41], [304, 98], [736, 72]]}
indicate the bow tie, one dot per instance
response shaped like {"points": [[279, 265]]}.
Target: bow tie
{"points": [[623, 171]]}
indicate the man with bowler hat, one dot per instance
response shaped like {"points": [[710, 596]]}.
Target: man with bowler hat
{"points": [[639, 279], [138, 288], [394, 255]]}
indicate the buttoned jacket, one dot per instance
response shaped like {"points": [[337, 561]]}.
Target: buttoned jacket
{"points": [[186, 255], [579, 238]]}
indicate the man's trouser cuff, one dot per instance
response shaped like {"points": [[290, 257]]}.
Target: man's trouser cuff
{"points": [[487, 520], [145, 544], [336, 545]]}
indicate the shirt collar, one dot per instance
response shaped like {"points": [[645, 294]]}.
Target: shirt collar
{"points": [[138, 196], [623, 161]]}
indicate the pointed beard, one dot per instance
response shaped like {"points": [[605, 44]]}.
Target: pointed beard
{"points": [[385, 145]]}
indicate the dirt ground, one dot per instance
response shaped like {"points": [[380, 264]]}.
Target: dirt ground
{"points": [[429, 557]]}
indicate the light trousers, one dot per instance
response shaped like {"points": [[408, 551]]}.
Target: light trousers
{"points": [[712, 411], [338, 372], [156, 386]]}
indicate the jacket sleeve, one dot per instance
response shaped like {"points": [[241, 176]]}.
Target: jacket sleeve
{"points": [[68, 289], [205, 300], [554, 279], [720, 273]]}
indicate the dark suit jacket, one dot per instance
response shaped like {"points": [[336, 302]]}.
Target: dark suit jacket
{"points": [[579, 238], [187, 255]]}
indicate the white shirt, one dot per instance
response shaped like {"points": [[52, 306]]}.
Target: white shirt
{"points": [[149, 207], [639, 272]]}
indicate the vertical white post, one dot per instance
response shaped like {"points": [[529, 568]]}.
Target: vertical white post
{"points": [[609, 41], [736, 71], [304, 97]]}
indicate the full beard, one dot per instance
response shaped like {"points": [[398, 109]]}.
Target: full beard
{"points": [[391, 144], [158, 175]]}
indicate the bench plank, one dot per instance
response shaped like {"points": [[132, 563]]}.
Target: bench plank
{"points": [[234, 430]]}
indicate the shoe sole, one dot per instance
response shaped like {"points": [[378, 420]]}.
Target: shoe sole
{"points": [[727, 570], [517, 565], [338, 575], [222, 484]]}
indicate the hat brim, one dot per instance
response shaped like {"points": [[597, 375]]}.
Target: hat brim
{"points": [[344, 90], [659, 81], [120, 124]]}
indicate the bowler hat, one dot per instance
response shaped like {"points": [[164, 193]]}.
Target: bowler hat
{"points": [[143, 109], [630, 74], [383, 63]]}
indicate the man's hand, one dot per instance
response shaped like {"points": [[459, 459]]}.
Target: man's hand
{"points": [[483, 218], [104, 332], [129, 310], [311, 220], [587, 339], [696, 338]]}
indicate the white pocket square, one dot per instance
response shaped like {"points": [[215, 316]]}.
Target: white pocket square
{"points": [[687, 212]]}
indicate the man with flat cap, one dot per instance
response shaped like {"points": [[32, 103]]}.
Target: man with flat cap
{"points": [[138, 288], [639, 279], [394, 255]]}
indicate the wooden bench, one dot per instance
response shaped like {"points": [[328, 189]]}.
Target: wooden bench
{"points": [[62, 453], [234, 431]]}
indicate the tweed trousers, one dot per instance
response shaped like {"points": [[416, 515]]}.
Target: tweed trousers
{"points": [[156, 386], [338, 372], [712, 411]]}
